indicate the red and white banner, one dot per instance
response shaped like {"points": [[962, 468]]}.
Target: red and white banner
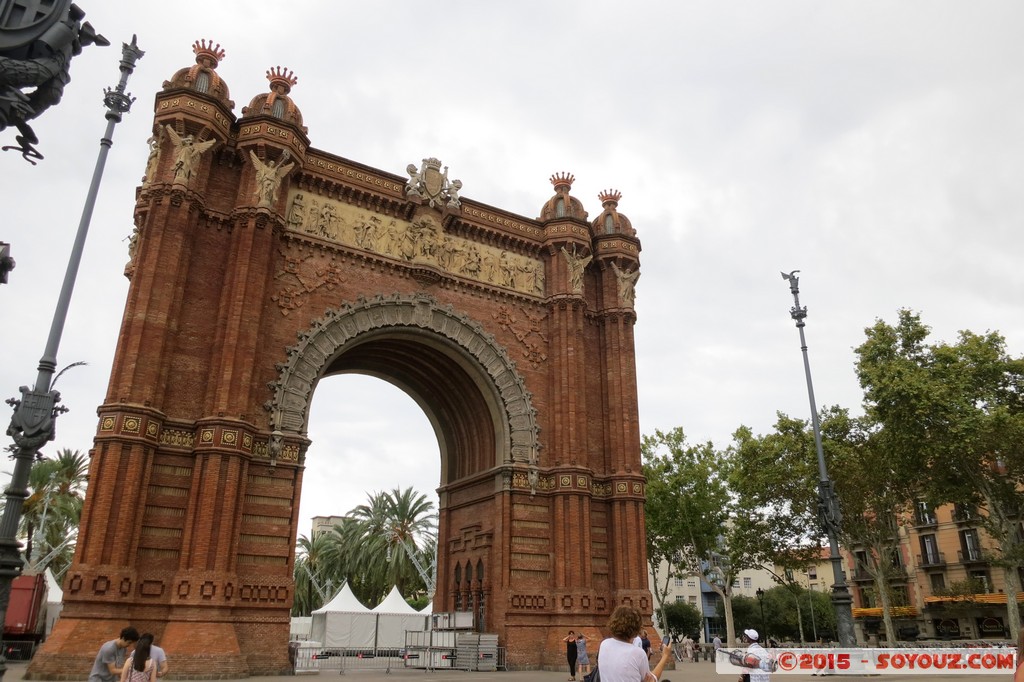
{"points": [[906, 661]]}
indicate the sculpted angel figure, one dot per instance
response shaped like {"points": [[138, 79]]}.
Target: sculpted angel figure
{"points": [[154, 156], [576, 267], [268, 178], [627, 283], [186, 154]]}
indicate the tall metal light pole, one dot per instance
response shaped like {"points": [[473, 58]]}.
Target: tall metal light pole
{"points": [[32, 424], [764, 626], [829, 513]]}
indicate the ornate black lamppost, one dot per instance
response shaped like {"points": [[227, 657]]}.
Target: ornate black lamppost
{"points": [[35, 412], [828, 504]]}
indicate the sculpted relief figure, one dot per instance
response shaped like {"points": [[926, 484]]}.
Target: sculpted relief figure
{"points": [[186, 154], [268, 178], [295, 217], [576, 267], [420, 241], [627, 283], [154, 143]]}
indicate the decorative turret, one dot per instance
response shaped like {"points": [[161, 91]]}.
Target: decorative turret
{"points": [[611, 221], [277, 103], [562, 205], [202, 76]]}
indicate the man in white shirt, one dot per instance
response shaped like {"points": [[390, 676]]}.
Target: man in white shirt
{"points": [[757, 655]]}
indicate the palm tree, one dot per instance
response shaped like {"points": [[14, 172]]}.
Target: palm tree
{"points": [[317, 573], [375, 541], [52, 511]]}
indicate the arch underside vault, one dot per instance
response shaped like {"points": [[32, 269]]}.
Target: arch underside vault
{"points": [[450, 366]]}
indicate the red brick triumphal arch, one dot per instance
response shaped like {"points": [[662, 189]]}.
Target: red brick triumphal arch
{"points": [[260, 265]]}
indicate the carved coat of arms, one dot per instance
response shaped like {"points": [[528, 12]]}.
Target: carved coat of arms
{"points": [[431, 184]]}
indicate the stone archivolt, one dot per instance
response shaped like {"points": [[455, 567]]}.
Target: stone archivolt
{"points": [[421, 241]]}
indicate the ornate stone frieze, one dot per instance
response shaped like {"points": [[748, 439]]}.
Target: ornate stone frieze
{"points": [[418, 242]]}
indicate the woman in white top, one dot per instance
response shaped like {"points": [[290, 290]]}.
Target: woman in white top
{"points": [[617, 658]]}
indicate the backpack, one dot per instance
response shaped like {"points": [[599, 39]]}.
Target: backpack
{"points": [[593, 676]]}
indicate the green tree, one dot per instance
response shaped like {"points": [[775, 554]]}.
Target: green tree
{"points": [[378, 540], [317, 573], [679, 618], [714, 538], [956, 411], [875, 490], [51, 513]]}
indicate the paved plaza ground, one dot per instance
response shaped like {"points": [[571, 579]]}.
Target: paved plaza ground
{"points": [[694, 672]]}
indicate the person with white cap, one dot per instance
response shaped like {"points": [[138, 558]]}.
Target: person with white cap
{"points": [[757, 659]]}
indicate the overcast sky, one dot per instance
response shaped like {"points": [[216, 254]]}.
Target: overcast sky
{"points": [[876, 146]]}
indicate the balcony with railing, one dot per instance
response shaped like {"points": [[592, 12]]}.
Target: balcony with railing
{"points": [[932, 560], [971, 556]]}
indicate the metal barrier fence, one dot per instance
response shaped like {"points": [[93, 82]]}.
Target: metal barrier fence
{"points": [[316, 659]]}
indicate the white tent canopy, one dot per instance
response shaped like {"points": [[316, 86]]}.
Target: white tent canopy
{"points": [[394, 603], [54, 597], [395, 616], [344, 623], [345, 600]]}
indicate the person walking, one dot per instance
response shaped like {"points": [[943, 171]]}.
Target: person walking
{"points": [[110, 659], [141, 667], [582, 658], [571, 654], [618, 660], [756, 655]]}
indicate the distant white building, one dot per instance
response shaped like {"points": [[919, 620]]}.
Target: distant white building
{"points": [[324, 524], [696, 591]]}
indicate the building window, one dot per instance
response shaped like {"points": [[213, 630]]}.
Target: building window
{"points": [[964, 512], [812, 573], [609, 224], [984, 583], [929, 551], [680, 599], [748, 583], [691, 583], [925, 514], [560, 208], [970, 545], [938, 582], [677, 581], [693, 599], [735, 582], [899, 595]]}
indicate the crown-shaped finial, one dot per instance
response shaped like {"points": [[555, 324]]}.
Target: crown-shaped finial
{"points": [[609, 196], [281, 77], [214, 53], [433, 163], [562, 180]]}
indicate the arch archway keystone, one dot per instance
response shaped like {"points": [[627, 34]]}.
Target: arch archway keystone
{"points": [[329, 335]]}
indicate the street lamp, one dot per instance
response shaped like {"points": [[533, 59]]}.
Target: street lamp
{"points": [[32, 424], [760, 602], [828, 504], [810, 603]]}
